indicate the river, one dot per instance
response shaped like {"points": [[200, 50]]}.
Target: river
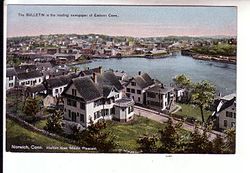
{"points": [[222, 75]]}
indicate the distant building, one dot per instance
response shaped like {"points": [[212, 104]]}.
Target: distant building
{"points": [[151, 93], [11, 78], [31, 78], [55, 86]]}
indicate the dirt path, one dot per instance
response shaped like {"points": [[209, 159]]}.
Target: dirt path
{"points": [[160, 117]]}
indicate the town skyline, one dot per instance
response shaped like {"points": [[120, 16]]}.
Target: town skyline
{"points": [[128, 21]]}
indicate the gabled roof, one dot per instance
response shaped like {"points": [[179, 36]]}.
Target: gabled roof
{"points": [[37, 88], [106, 90], [91, 71], [59, 80], [10, 72], [109, 79], [41, 65], [226, 104], [29, 75], [160, 89], [86, 88], [143, 80], [23, 68]]}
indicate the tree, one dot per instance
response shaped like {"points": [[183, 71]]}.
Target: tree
{"points": [[169, 137], [230, 143], [147, 144], [199, 141], [218, 145], [203, 95], [54, 123], [31, 107], [74, 69], [96, 136], [182, 81]]}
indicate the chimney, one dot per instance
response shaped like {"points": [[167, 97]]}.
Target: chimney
{"points": [[100, 69], [94, 78], [162, 86], [139, 73]]}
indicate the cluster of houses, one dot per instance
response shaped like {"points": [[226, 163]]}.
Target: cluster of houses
{"points": [[91, 94], [94, 94]]}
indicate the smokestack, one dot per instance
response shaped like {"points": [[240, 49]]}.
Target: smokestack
{"points": [[139, 73], [100, 69], [94, 77]]}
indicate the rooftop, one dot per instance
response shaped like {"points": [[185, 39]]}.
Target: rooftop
{"points": [[160, 89]]}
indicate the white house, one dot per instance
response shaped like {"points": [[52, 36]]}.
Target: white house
{"points": [[137, 86], [93, 98], [160, 97], [30, 78], [151, 93], [11, 78], [225, 113], [55, 86]]}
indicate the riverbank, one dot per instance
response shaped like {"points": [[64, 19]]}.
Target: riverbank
{"points": [[223, 59], [118, 57]]}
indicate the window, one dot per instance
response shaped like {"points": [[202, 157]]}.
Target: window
{"points": [[225, 123], [132, 90], [11, 78], [128, 90], [234, 115], [74, 92], [56, 91], [81, 117], [73, 116], [39, 80], [73, 103], [229, 114], [69, 113], [11, 84], [82, 105], [98, 103], [139, 99], [133, 83], [123, 109], [130, 109], [138, 91], [22, 83], [151, 95], [69, 102]]}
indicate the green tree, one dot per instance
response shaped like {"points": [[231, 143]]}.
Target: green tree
{"points": [[54, 123], [74, 69], [199, 141], [31, 107], [203, 95], [230, 141], [96, 136], [169, 137], [218, 145], [182, 81], [147, 144]]}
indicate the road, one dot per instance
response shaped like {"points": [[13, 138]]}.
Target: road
{"points": [[162, 118]]}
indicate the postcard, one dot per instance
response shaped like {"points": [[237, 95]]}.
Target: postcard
{"points": [[121, 79]]}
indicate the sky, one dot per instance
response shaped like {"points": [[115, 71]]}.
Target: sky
{"points": [[136, 21]]}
